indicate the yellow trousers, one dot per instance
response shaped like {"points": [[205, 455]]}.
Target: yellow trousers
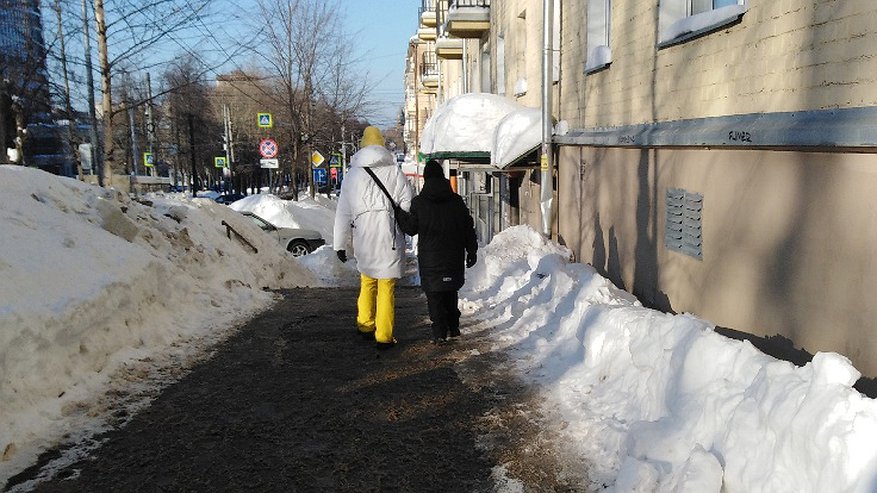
{"points": [[376, 307]]}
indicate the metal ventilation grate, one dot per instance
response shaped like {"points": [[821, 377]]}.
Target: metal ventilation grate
{"points": [[683, 231]]}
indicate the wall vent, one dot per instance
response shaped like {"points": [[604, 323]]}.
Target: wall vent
{"points": [[683, 232]]}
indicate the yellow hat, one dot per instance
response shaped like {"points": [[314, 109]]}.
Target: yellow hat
{"points": [[371, 136]]}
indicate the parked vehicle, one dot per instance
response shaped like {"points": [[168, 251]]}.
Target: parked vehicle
{"points": [[296, 241], [229, 198]]}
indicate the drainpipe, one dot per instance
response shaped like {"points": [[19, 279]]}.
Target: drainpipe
{"points": [[547, 193]]}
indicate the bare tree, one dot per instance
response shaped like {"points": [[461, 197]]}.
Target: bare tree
{"points": [[308, 58], [136, 34], [191, 124]]}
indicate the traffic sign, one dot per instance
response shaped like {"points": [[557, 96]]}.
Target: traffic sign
{"points": [[148, 160], [269, 163], [265, 120], [320, 176], [268, 148], [335, 160], [220, 162], [317, 159]]}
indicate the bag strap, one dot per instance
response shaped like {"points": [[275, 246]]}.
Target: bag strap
{"points": [[389, 197], [381, 186]]}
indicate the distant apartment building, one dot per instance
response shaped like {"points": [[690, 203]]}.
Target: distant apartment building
{"points": [[717, 157]]}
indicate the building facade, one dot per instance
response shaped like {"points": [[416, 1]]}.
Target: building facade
{"points": [[715, 157], [23, 68]]}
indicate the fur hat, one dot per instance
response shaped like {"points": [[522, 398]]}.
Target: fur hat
{"points": [[433, 170], [371, 136]]}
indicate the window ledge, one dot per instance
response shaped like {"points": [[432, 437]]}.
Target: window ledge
{"points": [[698, 24], [599, 58], [520, 87]]}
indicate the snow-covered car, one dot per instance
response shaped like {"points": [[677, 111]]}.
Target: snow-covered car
{"points": [[228, 198], [297, 241]]}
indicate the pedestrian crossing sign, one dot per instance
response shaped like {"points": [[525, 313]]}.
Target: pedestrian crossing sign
{"points": [[148, 160], [220, 162], [265, 120]]}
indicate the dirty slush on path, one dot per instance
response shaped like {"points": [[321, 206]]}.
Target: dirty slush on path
{"points": [[295, 400]]}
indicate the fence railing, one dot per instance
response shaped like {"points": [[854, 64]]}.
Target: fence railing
{"points": [[229, 229], [469, 3]]}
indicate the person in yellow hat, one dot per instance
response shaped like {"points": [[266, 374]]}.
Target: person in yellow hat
{"points": [[364, 219]]}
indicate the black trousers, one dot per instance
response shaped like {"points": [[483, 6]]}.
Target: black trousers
{"points": [[443, 313]]}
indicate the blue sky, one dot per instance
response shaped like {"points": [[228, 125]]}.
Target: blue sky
{"points": [[383, 28]]}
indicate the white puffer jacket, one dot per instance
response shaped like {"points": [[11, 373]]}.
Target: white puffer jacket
{"points": [[364, 213]]}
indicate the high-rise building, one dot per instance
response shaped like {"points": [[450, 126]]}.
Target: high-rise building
{"points": [[23, 51], [24, 78]]}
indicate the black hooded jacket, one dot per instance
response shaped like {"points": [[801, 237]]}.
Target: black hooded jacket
{"points": [[447, 234]]}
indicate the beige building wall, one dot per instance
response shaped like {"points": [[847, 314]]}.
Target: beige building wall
{"points": [[782, 56], [788, 235], [788, 238], [519, 24]]}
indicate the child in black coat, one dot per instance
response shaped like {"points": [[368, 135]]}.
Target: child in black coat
{"points": [[447, 242]]}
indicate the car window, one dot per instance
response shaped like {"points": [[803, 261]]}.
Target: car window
{"points": [[261, 223]]}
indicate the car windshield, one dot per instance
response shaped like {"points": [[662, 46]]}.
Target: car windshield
{"points": [[261, 222]]}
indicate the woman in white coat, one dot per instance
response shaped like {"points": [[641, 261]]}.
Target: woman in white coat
{"points": [[364, 216]]}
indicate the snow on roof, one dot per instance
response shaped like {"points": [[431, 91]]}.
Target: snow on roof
{"points": [[516, 134], [466, 123]]}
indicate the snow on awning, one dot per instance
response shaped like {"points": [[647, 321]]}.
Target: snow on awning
{"points": [[467, 127], [518, 134]]}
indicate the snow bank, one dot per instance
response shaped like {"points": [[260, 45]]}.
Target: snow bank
{"points": [[662, 403], [91, 280]]}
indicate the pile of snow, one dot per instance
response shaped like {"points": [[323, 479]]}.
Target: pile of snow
{"points": [[662, 403], [317, 214], [92, 281]]}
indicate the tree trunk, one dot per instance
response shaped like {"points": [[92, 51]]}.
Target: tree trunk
{"points": [[191, 118], [4, 116], [20, 134], [107, 103]]}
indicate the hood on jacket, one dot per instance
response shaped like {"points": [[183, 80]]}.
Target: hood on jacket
{"points": [[372, 157], [433, 170], [437, 189], [371, 136]]}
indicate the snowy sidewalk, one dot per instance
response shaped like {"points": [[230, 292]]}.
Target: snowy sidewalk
{"points": [[296, 401]]}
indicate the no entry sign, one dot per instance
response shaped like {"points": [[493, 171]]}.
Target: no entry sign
{"points": [[268, 148]]}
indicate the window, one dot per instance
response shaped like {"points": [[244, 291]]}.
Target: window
{"points": [[500, 65], [520, 47], [485, 68], [599, 53], [681, 20], [701, 6]]}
